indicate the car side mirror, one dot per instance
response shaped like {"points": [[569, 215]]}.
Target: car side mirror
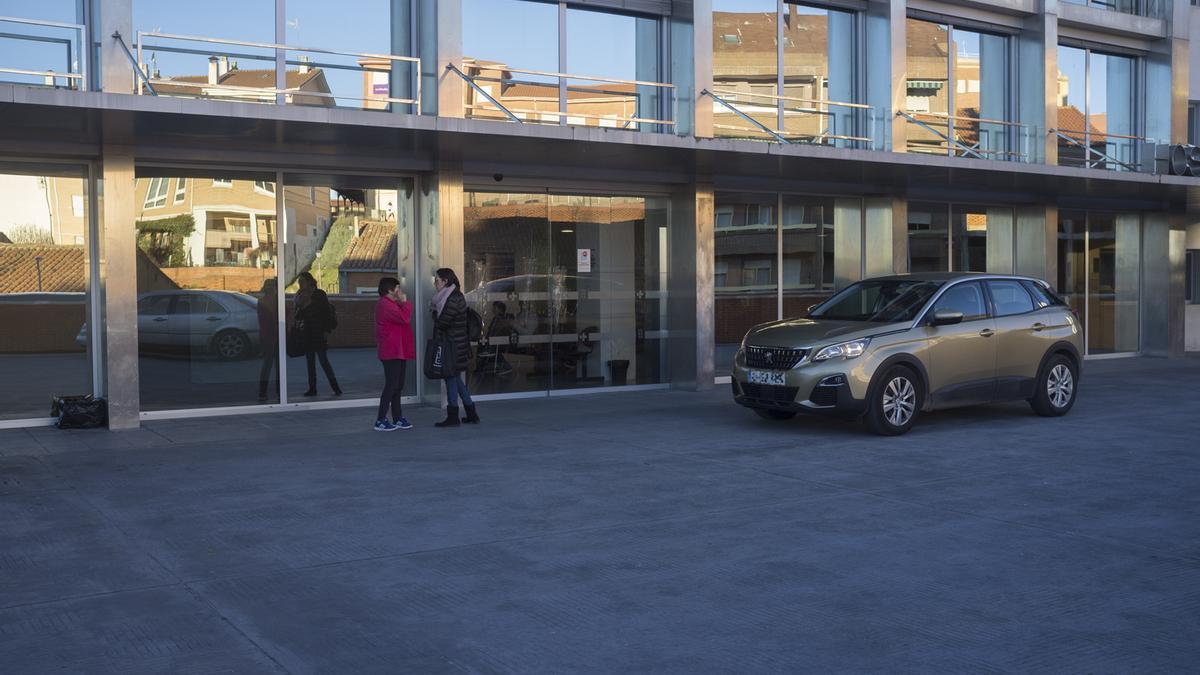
{"points": [[946, 317]]}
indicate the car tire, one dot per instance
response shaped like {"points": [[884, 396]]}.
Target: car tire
{"points": [[777, 415], [231, 345], [1057, 387], [895, 402]]}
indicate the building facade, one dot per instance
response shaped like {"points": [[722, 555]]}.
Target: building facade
{"points": [[623, 186]]}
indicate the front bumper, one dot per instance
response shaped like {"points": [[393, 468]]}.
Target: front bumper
{"points": [[832, 387]]}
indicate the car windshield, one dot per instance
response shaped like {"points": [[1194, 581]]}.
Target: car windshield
{"points": [[881, 301]]}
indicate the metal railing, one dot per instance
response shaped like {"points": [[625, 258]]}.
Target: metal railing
{"points": [[994, 139], [557, 101], [824, 116], [1093, 157], [75, 75], [273, 94], [1154, 9]]}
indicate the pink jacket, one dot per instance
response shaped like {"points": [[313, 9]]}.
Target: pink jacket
{"points": [[393, 330]]}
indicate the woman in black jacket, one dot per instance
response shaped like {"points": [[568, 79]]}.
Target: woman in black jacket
{"points": [[449, 309], [314, 316]]}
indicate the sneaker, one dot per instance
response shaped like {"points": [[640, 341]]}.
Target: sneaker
{"points": [[384, 425], [402, 424]]}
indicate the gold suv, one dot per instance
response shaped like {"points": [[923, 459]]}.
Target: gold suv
{"points": [[889, 348]]}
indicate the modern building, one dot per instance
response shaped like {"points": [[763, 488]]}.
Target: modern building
{"points": [[624, 186]]}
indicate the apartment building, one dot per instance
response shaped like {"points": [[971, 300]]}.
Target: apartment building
{"points": [[624, 186]]}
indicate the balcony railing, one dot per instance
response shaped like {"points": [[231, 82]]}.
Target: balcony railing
{"points": [[1154, 9], [756, 116], [965, 136], [24, 66], [1092, 149], [499, 92], [222, 79]]}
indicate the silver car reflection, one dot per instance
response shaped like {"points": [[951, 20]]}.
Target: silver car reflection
{"points": [[221, 323]]}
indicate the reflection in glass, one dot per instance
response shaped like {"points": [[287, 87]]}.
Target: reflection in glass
{"points": [[744, 279], [25, 46], [807, 278], [205, 263], [1113, 272], [44, 335], [502, 34], [928, 237], [745, 66], [1097, 109], [345, 236], [969, 239], [1072, 258], [927, 96], [981, 80], [819, 57], [623, 47], [508, 281]]}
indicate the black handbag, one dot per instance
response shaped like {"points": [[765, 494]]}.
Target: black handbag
{"points": [[297, 341], [439, 357]]}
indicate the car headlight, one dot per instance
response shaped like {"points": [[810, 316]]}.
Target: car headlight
{"points": [[845, 350]]}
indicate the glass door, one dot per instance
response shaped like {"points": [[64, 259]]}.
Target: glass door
{"points": [[1099, 273]]}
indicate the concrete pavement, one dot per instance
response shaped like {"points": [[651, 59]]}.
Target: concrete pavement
{"points": [[651, 531]]}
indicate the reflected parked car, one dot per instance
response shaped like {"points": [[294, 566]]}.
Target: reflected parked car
{"points": [[221, 323]]}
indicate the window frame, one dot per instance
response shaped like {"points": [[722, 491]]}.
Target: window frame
{"points": [[180, 189], [1138, 86], [987, 283], [156, 193]]}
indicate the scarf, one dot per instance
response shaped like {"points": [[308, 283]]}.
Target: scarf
{"points": [[438, 303]]}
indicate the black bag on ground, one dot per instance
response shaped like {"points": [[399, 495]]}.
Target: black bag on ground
{"points": [[79, 412], [297, 341], [439, 357]]}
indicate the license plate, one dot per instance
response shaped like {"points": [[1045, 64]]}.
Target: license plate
{"points": [[766, 377]]}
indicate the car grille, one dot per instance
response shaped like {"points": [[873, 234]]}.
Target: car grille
{"points": [[767, 393], [824, 396], [774, 358]]}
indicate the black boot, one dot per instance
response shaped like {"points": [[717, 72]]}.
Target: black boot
{"points": [[337, 391], [451, 417], [471, 417]]}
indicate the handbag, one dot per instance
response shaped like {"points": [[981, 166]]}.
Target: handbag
{"points": [[297, 341], [439, 357]]}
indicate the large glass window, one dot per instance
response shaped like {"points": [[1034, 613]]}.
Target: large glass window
{"points": [[207, 293], [1097, 109], [346, 235], [744, 279], [42, 48], [1099, 269], [819, 52], [957, 237], [808, 240], [571, 290], [45, 330], [511, 50], [958, 92]]}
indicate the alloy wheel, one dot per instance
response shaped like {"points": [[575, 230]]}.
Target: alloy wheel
{"points": [[1060, 386], [899, 401], [230, 346]]}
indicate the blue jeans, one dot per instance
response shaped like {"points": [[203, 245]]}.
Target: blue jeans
{"points": [[455, 387]]}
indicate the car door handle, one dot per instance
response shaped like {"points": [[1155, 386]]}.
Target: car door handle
{"points": [[213, 318], [1039, 327], [987, 332], [160, 318]]}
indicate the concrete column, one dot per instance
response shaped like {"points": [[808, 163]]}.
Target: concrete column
{"points": [[1180, 64], [896, 49], [1000, 240], [116, 71], [118, 277], [1037, 242], [690, 283], [885, 238], [450, 88], [695, 57], [847, 241]]}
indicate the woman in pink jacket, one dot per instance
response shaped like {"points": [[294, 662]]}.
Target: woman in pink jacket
{"points": [[394, 335]]}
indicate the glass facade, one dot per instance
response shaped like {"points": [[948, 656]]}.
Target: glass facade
{"points": [[571, 289], [1097, 109], [511, 49], [818, 50], [1099, 274], [959, 89], [42, 48], [959, 238], [45, 332]]}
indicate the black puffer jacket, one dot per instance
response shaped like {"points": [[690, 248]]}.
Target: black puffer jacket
{"points": [[453, 322], [316, 318]]}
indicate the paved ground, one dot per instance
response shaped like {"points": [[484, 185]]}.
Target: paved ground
{"points": [[659, 531]]}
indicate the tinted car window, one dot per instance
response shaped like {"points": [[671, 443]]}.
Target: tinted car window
{"points": [[966, 298], [1009, 297], [883, 301], [155, 304], [1041, 298]]}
